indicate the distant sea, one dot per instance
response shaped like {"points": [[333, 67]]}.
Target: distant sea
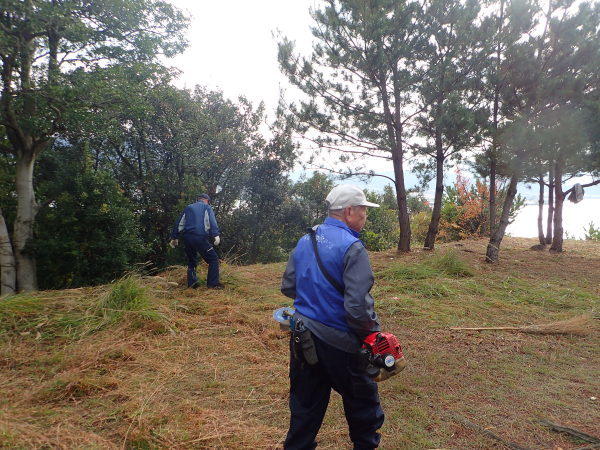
{"points": [[576, 219]]}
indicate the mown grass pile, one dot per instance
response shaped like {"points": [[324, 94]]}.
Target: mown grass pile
{"points": [[73, 314], [143, 363]]}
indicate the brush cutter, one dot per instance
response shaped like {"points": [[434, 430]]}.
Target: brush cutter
{"points": [[383, 354]]}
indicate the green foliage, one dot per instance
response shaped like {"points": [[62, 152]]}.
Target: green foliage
{"points": [[381, 231], [417, 203], [592, 233], [87, 232], [419, 225], [309, 196], [7, 188], [257, 227]]}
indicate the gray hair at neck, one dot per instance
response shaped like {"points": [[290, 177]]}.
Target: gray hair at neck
{"points": [[337, 213]]}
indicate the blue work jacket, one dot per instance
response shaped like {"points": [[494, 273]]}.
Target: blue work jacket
{"points": [[198, 219], [342, 319]]}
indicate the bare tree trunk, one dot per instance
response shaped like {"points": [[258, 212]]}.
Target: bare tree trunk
{"points": [[557, 239], [403, 217], [496, 110], [8, 272], [550, 206], [493, 195], [23, 229], [25, 148], [540, 220], [437, 201], [493, 248], [394, 129]]}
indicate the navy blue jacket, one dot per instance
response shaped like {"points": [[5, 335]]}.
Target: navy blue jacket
{"points": [[197, 218]]}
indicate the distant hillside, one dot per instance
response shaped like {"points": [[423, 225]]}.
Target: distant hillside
{"points": [[146, 363]]}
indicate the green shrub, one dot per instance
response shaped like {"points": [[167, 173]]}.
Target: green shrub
{"points": [[87, 232], [419, 225], [592, 233]]}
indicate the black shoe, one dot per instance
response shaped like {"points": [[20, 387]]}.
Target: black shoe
{"points": [[196, 285], [217, 286]]}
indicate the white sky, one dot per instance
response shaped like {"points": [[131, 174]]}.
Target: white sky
{"points": [[233, 47]]}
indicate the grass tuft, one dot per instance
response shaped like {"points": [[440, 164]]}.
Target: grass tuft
{"points": [[126, 295], [451, 264], [126, 298]]}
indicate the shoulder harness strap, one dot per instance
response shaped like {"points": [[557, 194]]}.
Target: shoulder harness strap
{"points": [[326, 274]]}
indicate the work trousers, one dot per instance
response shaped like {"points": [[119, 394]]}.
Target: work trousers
{"points": [[195, 245], [310, 389]]}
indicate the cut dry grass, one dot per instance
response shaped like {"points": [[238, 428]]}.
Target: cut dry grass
{"points": [[218, 377]]}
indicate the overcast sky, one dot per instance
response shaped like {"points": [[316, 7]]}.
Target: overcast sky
{"points": [[233, 48]]}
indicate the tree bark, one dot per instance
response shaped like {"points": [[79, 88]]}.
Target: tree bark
{"points": [[437, 201], [496, 111], [394, 130], [557, 239], [493, 195], [493, 248], [8, 272], [550, 206], [23, 229], [540, 220], [403, 217]]}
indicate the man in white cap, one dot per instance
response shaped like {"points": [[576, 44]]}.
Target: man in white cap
{"points": [[334, 313]]}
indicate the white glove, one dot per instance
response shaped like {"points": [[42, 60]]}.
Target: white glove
{"points": [[217, 241], [173, 243]]}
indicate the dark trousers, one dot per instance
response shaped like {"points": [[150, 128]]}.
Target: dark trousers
{"points": [[195, 245], [310, 388]]}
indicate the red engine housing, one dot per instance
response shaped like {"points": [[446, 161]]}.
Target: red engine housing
{"points": [[383, 344]]}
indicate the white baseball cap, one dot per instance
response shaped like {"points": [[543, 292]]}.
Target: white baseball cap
{"points": [[345, 195]]}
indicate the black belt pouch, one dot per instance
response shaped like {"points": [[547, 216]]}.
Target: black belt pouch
{"points": [[303, 346]]}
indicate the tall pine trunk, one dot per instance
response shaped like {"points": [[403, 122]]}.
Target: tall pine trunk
{"points": [[550, 206], [493, 195], [394, 130], [403, 217], [496, 111], [493, 248], [540, 220], [8, 271], [437, 200], [557, 239]]}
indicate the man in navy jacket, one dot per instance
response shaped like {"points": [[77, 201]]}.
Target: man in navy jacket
{"points": [[198, 227], [339, 313]]}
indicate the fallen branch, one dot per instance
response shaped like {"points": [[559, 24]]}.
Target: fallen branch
{"points": [[572, 431], [578, 326]]}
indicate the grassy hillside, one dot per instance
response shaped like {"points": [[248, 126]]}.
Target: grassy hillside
{"points": [[145, 363]]}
